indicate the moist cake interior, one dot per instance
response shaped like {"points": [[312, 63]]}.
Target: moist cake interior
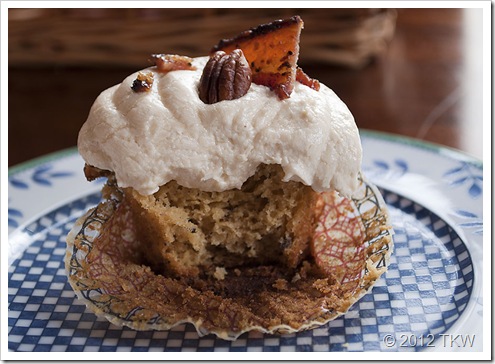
{"points": [[188, 232]]}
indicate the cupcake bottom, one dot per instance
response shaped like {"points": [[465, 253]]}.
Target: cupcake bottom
{"points": [[108, 267]]}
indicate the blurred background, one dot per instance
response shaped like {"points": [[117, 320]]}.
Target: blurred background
{"points": [[412, 72]]}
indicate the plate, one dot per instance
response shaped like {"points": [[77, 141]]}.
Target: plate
{"points": [[430, 298]]}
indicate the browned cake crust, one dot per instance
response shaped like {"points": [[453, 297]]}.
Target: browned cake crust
{"points": [[188, 232]]}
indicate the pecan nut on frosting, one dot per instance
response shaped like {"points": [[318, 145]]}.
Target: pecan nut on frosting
{"points": [[225, 77]]}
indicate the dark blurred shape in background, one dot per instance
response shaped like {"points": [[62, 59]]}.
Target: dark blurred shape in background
{"points": [[414, 72], [125, 37]]}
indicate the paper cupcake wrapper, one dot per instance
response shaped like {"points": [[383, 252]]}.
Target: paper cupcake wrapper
{"points": [[352, 245]]}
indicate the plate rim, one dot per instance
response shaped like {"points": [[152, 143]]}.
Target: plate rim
{"points": [[441, 149]]}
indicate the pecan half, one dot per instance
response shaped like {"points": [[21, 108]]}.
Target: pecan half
{"points": [[225, 77]]}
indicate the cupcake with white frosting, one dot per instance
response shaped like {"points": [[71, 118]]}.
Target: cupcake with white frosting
{"points": [[219, 172]]}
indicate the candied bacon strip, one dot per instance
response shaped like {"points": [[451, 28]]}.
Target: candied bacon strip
{"points": [[306, 80], [93, 173], [272, 51], [143, 82], [172, 62]]}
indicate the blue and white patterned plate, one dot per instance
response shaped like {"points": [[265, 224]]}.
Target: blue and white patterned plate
{"points": [[431, 298]]}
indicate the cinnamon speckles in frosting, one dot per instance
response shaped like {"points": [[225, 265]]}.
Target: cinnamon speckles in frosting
{"points": [[168, 133]]}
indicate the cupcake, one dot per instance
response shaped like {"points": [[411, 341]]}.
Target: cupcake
{"points": [[222, 175]]}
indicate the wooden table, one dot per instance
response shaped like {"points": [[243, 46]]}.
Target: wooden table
{"points": [[427, 86]]}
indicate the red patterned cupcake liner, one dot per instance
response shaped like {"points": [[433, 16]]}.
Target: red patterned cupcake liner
{"points": [[351, 249]]}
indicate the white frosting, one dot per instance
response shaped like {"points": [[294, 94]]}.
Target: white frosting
{"points": [[168, 133]]}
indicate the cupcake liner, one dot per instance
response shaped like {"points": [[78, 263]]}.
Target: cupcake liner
{"points": [[351, 249]]}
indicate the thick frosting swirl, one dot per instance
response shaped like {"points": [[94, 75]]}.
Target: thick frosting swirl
{"points": [[150, 138]]}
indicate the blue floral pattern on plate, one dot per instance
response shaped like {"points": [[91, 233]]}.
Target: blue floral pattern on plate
{"points": [[42, 175], [13, 216], [465, 174]]}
